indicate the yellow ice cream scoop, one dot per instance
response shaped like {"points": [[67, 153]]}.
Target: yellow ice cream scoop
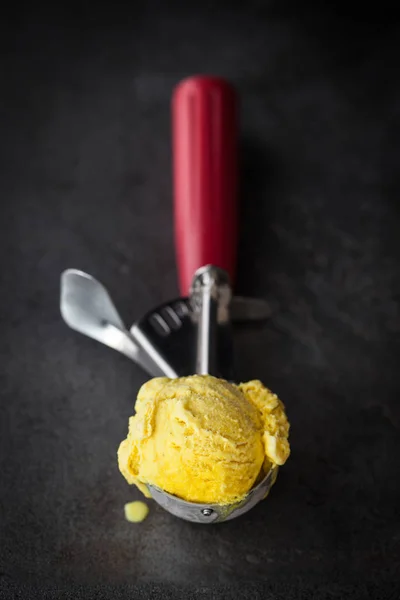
{"points": [[202, 439]]}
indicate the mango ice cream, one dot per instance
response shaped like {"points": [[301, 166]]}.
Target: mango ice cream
{"points": [[203, 439]]}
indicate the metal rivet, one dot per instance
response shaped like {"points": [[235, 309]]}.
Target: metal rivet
{"points": [[207, 512]]}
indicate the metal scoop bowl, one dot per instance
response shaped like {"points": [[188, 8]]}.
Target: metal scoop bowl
{"points": [[213, 513]]}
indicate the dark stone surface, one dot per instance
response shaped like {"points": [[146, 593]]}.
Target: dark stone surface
{"points": [[85, 182]]}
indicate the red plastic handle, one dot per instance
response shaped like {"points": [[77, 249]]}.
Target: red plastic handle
{"points": [[204, 131]]}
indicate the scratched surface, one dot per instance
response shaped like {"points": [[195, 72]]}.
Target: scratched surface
{"points": [[85, 182]]}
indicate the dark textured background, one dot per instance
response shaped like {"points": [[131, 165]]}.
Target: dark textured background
{"points": [[85, 182]]}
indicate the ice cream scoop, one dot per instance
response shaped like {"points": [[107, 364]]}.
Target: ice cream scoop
{"points": [[206, 442], [192, 334]]}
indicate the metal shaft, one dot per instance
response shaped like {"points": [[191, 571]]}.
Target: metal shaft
{"points": [[210, 297], [206, 334]]}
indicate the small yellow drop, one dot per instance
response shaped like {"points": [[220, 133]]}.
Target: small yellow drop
{"points": [[136, 512]]}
